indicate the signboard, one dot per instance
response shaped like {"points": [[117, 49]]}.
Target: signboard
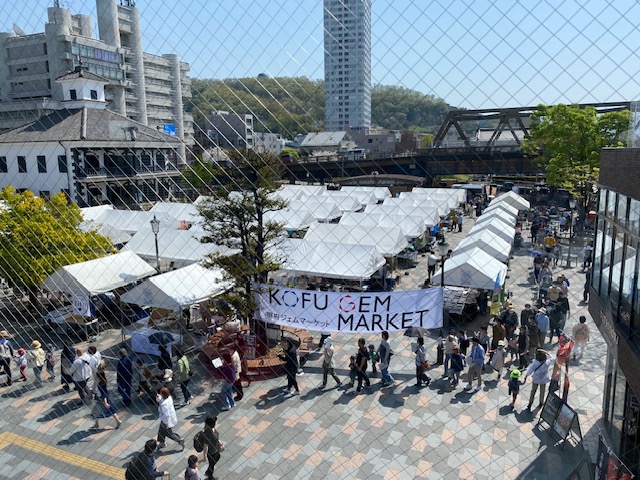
{"points": [[609, 466], [351, 312], [169, 129], [250, 347], [81, 305], [551, 407], [564, 420]]}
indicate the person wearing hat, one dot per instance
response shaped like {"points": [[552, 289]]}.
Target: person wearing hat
{"points": [[6, 354], [514, 385], [497, 360], [36, 358], [542, 320], [21, 362], [510, 320]]}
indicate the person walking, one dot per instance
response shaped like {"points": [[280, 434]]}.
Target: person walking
{"points": [[95, 359], [329, 364], [543, 322], [36, 358], [514, 385], [164, 362], [587, 285], [50, 361], [21, 362], [460, 223], [449, 343], [476, 362], [361, 366], [432, 262], [540, 378], [228, 377], [421, 364], [212, 446], [237, 368], [81, 373], [290, 358], [6, 354], [67, 356], [384, 353], [104, 407], [143, 465], [581, 335], [457, 365], [184, 374], [497, 360], [168, 418], [124, 376], [192, 472]]}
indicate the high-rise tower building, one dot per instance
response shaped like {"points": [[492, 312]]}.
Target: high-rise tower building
{"points": [[347, 64]]}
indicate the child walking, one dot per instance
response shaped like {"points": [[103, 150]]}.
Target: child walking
{"points": [[373, 356], [192, 472], [514, 385], [50, 361], [352, 370], [21, 362]]}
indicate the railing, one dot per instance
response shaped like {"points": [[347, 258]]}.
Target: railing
{"points": [[126, 171]]}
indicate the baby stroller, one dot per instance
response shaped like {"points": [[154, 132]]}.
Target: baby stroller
{"points": [[517, 240]]}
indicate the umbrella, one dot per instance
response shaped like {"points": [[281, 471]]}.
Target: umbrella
{"points": [[161, 338], [536, 252], [416, 332]]}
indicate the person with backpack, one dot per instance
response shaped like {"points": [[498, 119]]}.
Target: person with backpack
{"points": [[361, 366], [6, 354], [212, 446], [143, 465], [373, 356]]}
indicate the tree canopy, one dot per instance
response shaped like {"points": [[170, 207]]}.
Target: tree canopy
{"points": [[568, 139], [39, 236], [235, 217], [296, 105]]}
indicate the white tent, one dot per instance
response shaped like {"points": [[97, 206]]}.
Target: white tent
{"points": [[179, 288], [291, 192], [334, 260], [499, 214], [344, 202], [389, 241], [502, 206], [488, 243], [363, 198], [431, 217], [380, 192], [93, 213], [290, 219], [457, 193], [182, 247], [321, 211], [186, 212], [363, 219], [116, 235], [443, 202], [99, 276], [474, 269], [412, 226], [497, 228], [513, 199], [133, 220]]}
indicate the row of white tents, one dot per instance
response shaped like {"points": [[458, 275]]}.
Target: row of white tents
{"points": [[481, 259]]}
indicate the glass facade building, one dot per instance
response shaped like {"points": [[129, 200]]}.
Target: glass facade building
{"points": [[615, 296]]}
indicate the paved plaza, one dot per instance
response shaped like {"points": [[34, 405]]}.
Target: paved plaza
{"points": [[384, 433]]}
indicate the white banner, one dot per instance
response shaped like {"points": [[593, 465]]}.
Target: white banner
{"points": [[351, 312], [81, 305]]}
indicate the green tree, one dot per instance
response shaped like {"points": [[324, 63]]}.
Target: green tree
{"points": [[200, 175], [235, 218], [39, 236], [567, 140], [290, 151], [427, 140]]}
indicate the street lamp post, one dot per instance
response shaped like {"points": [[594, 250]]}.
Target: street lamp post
{"points": [[572, 205], [155, 228]]}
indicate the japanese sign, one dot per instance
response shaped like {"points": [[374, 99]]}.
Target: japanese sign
{"points": [[350, 312]]}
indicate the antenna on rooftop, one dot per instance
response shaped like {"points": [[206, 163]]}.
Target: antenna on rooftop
{"points": [[56, 3], [18, 30]]}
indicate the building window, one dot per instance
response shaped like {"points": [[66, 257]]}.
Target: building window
{"points": [[3, 165], [42, 164], [62, 164], [94, 94], [73, 94], [22, 165]]}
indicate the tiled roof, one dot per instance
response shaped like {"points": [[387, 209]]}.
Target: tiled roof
{"points": [[86, 124], [323, 139]]}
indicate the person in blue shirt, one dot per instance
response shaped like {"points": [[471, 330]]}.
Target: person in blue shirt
{"points": [[476, 362], [542, 319]]}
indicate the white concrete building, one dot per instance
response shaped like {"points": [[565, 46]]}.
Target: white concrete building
{"points": [[144, 87], [347, 64], [92, 154]]}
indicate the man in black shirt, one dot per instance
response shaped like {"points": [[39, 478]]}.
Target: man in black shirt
{"points": [[212, 446]]}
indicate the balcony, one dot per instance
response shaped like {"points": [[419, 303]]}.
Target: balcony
{"points": [[126, 171]]}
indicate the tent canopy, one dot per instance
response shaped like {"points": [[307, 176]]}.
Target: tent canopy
{"points": [[431, 216], [344, 202], [363, 198], [333, 260], [290, 219], [179, 288], [413, 226], [178, 246], [321, 211], [474, 269], [488, 243], [99, 276], [116, 235], [389, 241], [380, 192], [502, 206], [497, 228], [498, 214], [513, 199]]}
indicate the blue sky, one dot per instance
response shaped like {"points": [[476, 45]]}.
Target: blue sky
{"points": [[471, 53]]}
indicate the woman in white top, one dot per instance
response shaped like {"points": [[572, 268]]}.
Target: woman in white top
{"points": [[539, 371], [168, 418]]}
